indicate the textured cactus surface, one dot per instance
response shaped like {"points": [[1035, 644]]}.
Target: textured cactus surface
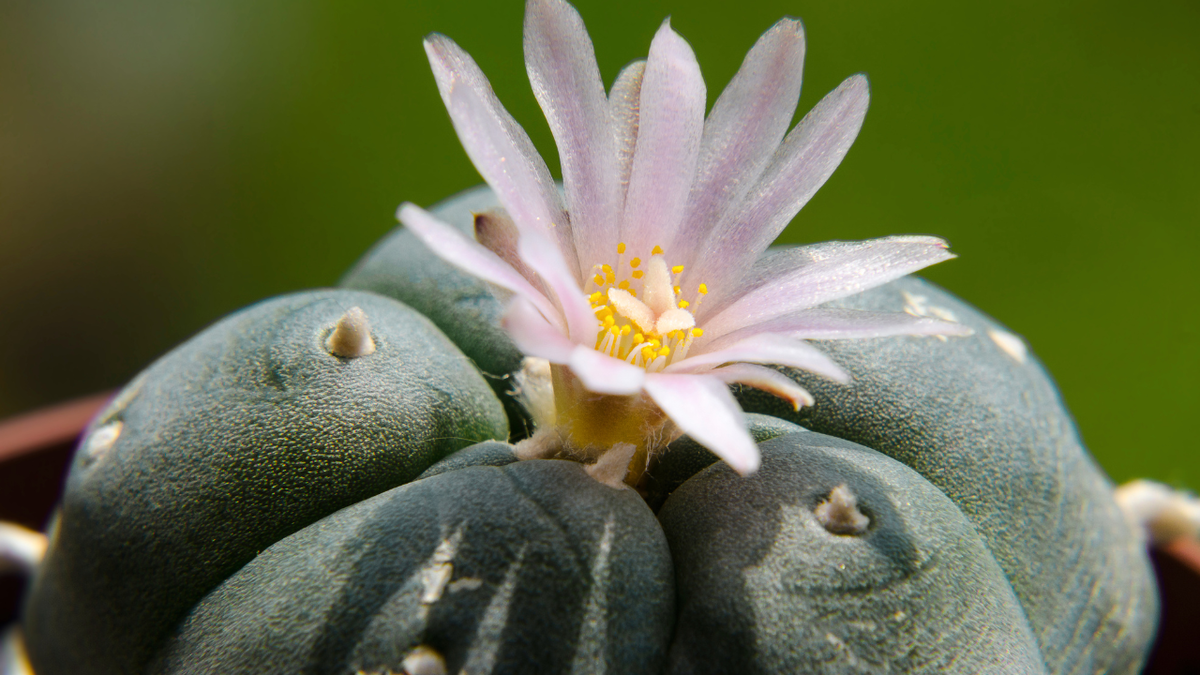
{"points": [[255, 503]]}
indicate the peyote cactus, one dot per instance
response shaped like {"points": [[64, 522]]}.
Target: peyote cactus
{"points": [[501, 448]]}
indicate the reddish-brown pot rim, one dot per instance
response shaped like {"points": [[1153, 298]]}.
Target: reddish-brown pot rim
{"points": [[35, 451]]}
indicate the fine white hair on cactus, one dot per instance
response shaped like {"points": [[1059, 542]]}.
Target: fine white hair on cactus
{"points": [[649, 282], [351, 337], [839, 512]]}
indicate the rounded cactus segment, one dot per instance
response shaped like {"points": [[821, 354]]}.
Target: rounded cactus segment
{"points": [[979, 418], [766, 586], [248, 432], [531, 567]]}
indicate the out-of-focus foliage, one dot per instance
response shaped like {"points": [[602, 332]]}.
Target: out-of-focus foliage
{"points": [[163, 164]]}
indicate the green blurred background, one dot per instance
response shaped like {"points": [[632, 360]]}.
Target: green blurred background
{"points": [[162, 164]]}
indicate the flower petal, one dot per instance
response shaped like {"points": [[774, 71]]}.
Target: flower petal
{"points": [[702, 407], [837, 324], [787, 280], [743, 130], [496, 232], [624, 100], [603, 374], [562, 68], [799, 168], [765, 348], [631, 308], [507, 160], [674, 319], [670, 123], [459, 250], [766, 379], [533, 335]]}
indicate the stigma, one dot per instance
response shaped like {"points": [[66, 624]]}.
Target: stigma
{"points": [[645, 318]]}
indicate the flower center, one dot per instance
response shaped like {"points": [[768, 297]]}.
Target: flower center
{"points": [[644, 319]]}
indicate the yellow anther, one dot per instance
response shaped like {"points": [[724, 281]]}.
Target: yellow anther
{"points": [[677, 291], [626, 329], [677, 269], [703, 289], [620, 248], [610, 277], [683, 304], [637, 274], [624, 284], [632, 292], [608, 321], [665, 351], [607, 269], [598, 279], [647, 352], [615, 331], [697, 332], [654, 343], [604, 313], [656, 251], [635, 262], [638, 338], [595, 297]]}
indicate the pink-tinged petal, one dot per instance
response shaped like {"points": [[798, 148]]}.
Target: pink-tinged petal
{"points": [[799, 168], [743, 130], [787, 280], [603, 374], [624, 100], [496, 232], [765, 348], [562, 68], [702, 407], [533, 335], [459, 250], [498, 147], [837, 324], [766, 379], [545, 259], [670, 123]]}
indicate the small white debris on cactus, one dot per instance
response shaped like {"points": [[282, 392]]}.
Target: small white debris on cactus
{"points": [[102, 440], [351, 338], [21, 549], [436, 574], [423, 661], [1010, 344], [839, 512], [1159, 512]]}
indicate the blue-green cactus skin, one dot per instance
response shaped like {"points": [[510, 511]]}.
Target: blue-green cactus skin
{"points": [[400, 266], [246, 433], [982, 420], [764, 588], [529, 568]]}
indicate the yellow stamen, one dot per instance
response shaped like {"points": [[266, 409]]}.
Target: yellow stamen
{"points": [[683, 304], [632, 292], [677, 291], [665, 351], [625, 330], [677, 269], [610, 277], [615, 330], [697, 332], [635, 262], [598, 279], [637, 274], [608, 321], [607, 269], [703, 289], [595, 297], [654, 343], [656, 251], [620, 248], [624, 285], [638, 338]]}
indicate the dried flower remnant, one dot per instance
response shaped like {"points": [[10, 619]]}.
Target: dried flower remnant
{"points": [[647, 290]]}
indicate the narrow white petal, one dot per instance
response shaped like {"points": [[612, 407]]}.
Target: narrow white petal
{"points": [[533, 335], [766, 348], [799, 168], [787, 280], [624, 100], [603, 374], [468, 255], [702, 407], [498, 146], [837, 324], [562, 69], [770, 381], [670, 124], [743, 131]]}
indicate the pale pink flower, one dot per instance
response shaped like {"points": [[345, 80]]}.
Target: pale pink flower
{"points": [[648, 290]]}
